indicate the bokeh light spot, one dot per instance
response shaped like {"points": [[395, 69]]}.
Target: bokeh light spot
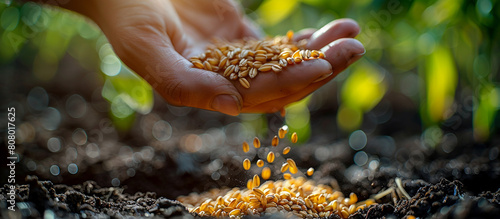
{"points": [[484, 7], [50, 119], [54, 144], [79, 136], [92, 150], [31, 165], [349, 118], [162, 130], [115, 182], [76, 106], [120, 108], [191, 143], [38, 99], [111, 65], [72, 168], [357, 140], [54, 170], [10, 18], [360, 158], [31, 12], [426, 44]]}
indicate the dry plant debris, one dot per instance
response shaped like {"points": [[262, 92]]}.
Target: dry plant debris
{"points": [[244, 59]]}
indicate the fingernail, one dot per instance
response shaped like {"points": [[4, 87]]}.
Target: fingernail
{"points": [[357, 47], [358, 50], [228, 104], [323, 77]]}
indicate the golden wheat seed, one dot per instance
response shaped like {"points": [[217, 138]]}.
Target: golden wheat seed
{"points": [[207, 65], [260, 163], [245, 147], [310, 171], [277, 68], [284, 167], [297, 60], [194, 58], [228, 71], [243, 73], [353, 198], [270, 157], [267, 49], [303, 55], [291, 163], [293, 170], [252, 73], [315, 54], [285, 128], [256, 181], [275, 141], [203, 56], [344, 214], [265, 68], [286, 150], [250, 184], [198, 64], [287, 176], [244, 82], [283, 63], [213, 62], [261, 58], [235, 212], [256, 142], [246, 164], [285, 54], [234, 62], [297, 54], [218, 53], [266, 173], [243, 62], [294, 137], [289, 34], [260, 52], [321, 55], [243, 54], [223, 62], [257, 64], [281, 132], [233, 76]]}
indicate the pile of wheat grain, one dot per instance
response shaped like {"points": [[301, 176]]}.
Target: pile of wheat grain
{"points": [[244, 59]]}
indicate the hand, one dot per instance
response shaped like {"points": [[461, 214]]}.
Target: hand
{"points": [[155, 37]]}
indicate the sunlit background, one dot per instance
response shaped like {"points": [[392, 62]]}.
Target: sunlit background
{"points": [[431, 70]]}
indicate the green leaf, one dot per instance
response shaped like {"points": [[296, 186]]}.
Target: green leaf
{"points": [[274, 11], [364, 88], [441, 81], [133, 91], [484, 115]]}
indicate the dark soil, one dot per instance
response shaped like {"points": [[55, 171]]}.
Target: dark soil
{"points": [[136, 173]]}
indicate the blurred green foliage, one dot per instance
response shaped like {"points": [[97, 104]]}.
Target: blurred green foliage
{"points": [[447, 49], [435, 52], [40, 36]]}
